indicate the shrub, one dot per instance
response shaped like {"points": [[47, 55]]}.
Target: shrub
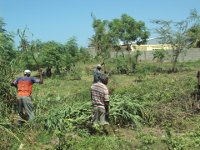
{"points": [[125, 111]]}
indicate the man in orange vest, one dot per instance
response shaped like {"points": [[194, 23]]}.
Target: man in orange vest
{"points": [[24, 87]]}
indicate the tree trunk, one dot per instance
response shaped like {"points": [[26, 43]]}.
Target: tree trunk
{"points": [[174, 69], [145, 55], [57, 69]]}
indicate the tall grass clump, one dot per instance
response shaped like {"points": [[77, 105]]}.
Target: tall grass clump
{"points": [[66, 118], [125, 111], [161, 97]]}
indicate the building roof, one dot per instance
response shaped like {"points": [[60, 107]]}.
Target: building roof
{"points": [[153, 41]]}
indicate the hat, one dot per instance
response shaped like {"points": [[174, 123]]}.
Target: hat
{"points": [[99, 65], [27, 72]]}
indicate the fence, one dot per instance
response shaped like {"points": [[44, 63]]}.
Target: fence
{"points": [[191, 54]]}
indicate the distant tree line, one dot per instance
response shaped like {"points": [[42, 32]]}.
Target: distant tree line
{"points": [[108, 35]]}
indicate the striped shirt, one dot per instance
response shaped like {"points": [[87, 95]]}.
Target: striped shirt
{"points": [[99, 94]]}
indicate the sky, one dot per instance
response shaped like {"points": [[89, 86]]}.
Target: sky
{"points": [[60, 20]]}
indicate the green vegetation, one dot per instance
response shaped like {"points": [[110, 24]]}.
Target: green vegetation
{"points": [[150, 106], [155, 112], [180, 35]]}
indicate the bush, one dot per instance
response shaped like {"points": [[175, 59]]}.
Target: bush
{"points": [[121, 65], [125, 111]]}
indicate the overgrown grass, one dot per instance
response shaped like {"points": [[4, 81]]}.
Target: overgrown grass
{"points": [[158, 101]]}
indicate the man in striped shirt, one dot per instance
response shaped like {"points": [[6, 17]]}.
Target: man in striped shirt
{"points": [[100, 100]]}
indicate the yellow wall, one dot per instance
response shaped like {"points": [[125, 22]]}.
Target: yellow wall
{"points": [[151, 47]]}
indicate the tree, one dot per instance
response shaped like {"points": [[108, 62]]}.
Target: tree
{"points": [[72, 53], [53, 55], [173, 33], [101, 39], [109, 35], [137, 54], [7, 51], [35, 50], [194, 36], [60, 56], [84, 55], [132, 31], [194, 31], [159, 55], [24, 47], [115, 27], [28, 50], [72, 47], [128, 31], [7, 61]]}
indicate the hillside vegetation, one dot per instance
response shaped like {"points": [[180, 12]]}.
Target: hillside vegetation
{"points": [[148, 110], [153, 104]]}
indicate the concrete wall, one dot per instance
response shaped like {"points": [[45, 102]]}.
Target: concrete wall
{"points": [[192, 54]]}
